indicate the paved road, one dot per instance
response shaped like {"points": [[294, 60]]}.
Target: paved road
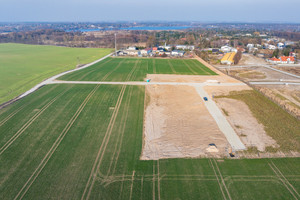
{"points": [[50, 80], [274, 83], [260, 65], [222, 122], [144, 83]]}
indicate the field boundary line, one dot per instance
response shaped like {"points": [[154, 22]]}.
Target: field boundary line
{"points": [[189, 67], [49, 154], [220, 186], [172, 67], [131, 187], [284, 180], [101, 151], [28, 123]]}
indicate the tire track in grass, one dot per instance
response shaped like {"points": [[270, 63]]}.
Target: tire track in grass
{"points": [[131, 186], [122, 185], [158, 181], [204, 68], [92, 178], [203, 71], [28, 123], [154, 68], [12, 114], [49, 154], [172, 67], [284, 181], [110, 72], [153, 181], [217, 177], [127, 105], [98, 160], [193, 71], [142, 181], [119, 142], [21, 108], [88, 73], [223, 182]]}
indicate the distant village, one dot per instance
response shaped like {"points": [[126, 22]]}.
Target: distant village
{"points": [[266, 50], [161, 51]]}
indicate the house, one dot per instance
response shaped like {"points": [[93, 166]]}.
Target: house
{"points": [[132, 48], [228, 58], [274, 60], [177, 52], [280, 45], [271, 47], [282, 60], [146, 52], [287, 60], [227, 49], [250, 46], [132, 52], [185, 47]]}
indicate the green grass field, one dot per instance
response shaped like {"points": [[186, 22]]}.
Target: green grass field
{"points": [[117, 69], [84, 141], [23, 66]]}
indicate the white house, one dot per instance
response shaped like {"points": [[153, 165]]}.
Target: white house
{"points": [[177, 53], [185, 47], [271, 47], [250, 46], [132, 48]]}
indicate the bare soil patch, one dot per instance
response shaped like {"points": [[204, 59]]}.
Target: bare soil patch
{"points": [[292, 70], [248, 74], [177, 124], [189, 78], [248, 59], [245, 124], [224, 90]]}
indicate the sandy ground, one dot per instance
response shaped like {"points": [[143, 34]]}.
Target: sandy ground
{"points": [[224, 90], [248, 59], [189, 78], [293, 70], [245, 124], [177, 124]]}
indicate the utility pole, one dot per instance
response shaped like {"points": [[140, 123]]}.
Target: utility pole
{"points": [[115, 44]]}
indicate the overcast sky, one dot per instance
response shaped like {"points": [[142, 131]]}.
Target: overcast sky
{"points": [[151, 10]]}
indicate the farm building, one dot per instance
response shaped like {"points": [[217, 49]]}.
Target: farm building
{"points": [[228, 58]]}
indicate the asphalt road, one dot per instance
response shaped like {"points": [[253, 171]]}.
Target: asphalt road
{"points": [[221, 121]]}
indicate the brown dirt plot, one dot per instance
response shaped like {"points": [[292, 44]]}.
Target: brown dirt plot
{"points": [[177, 124]]}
